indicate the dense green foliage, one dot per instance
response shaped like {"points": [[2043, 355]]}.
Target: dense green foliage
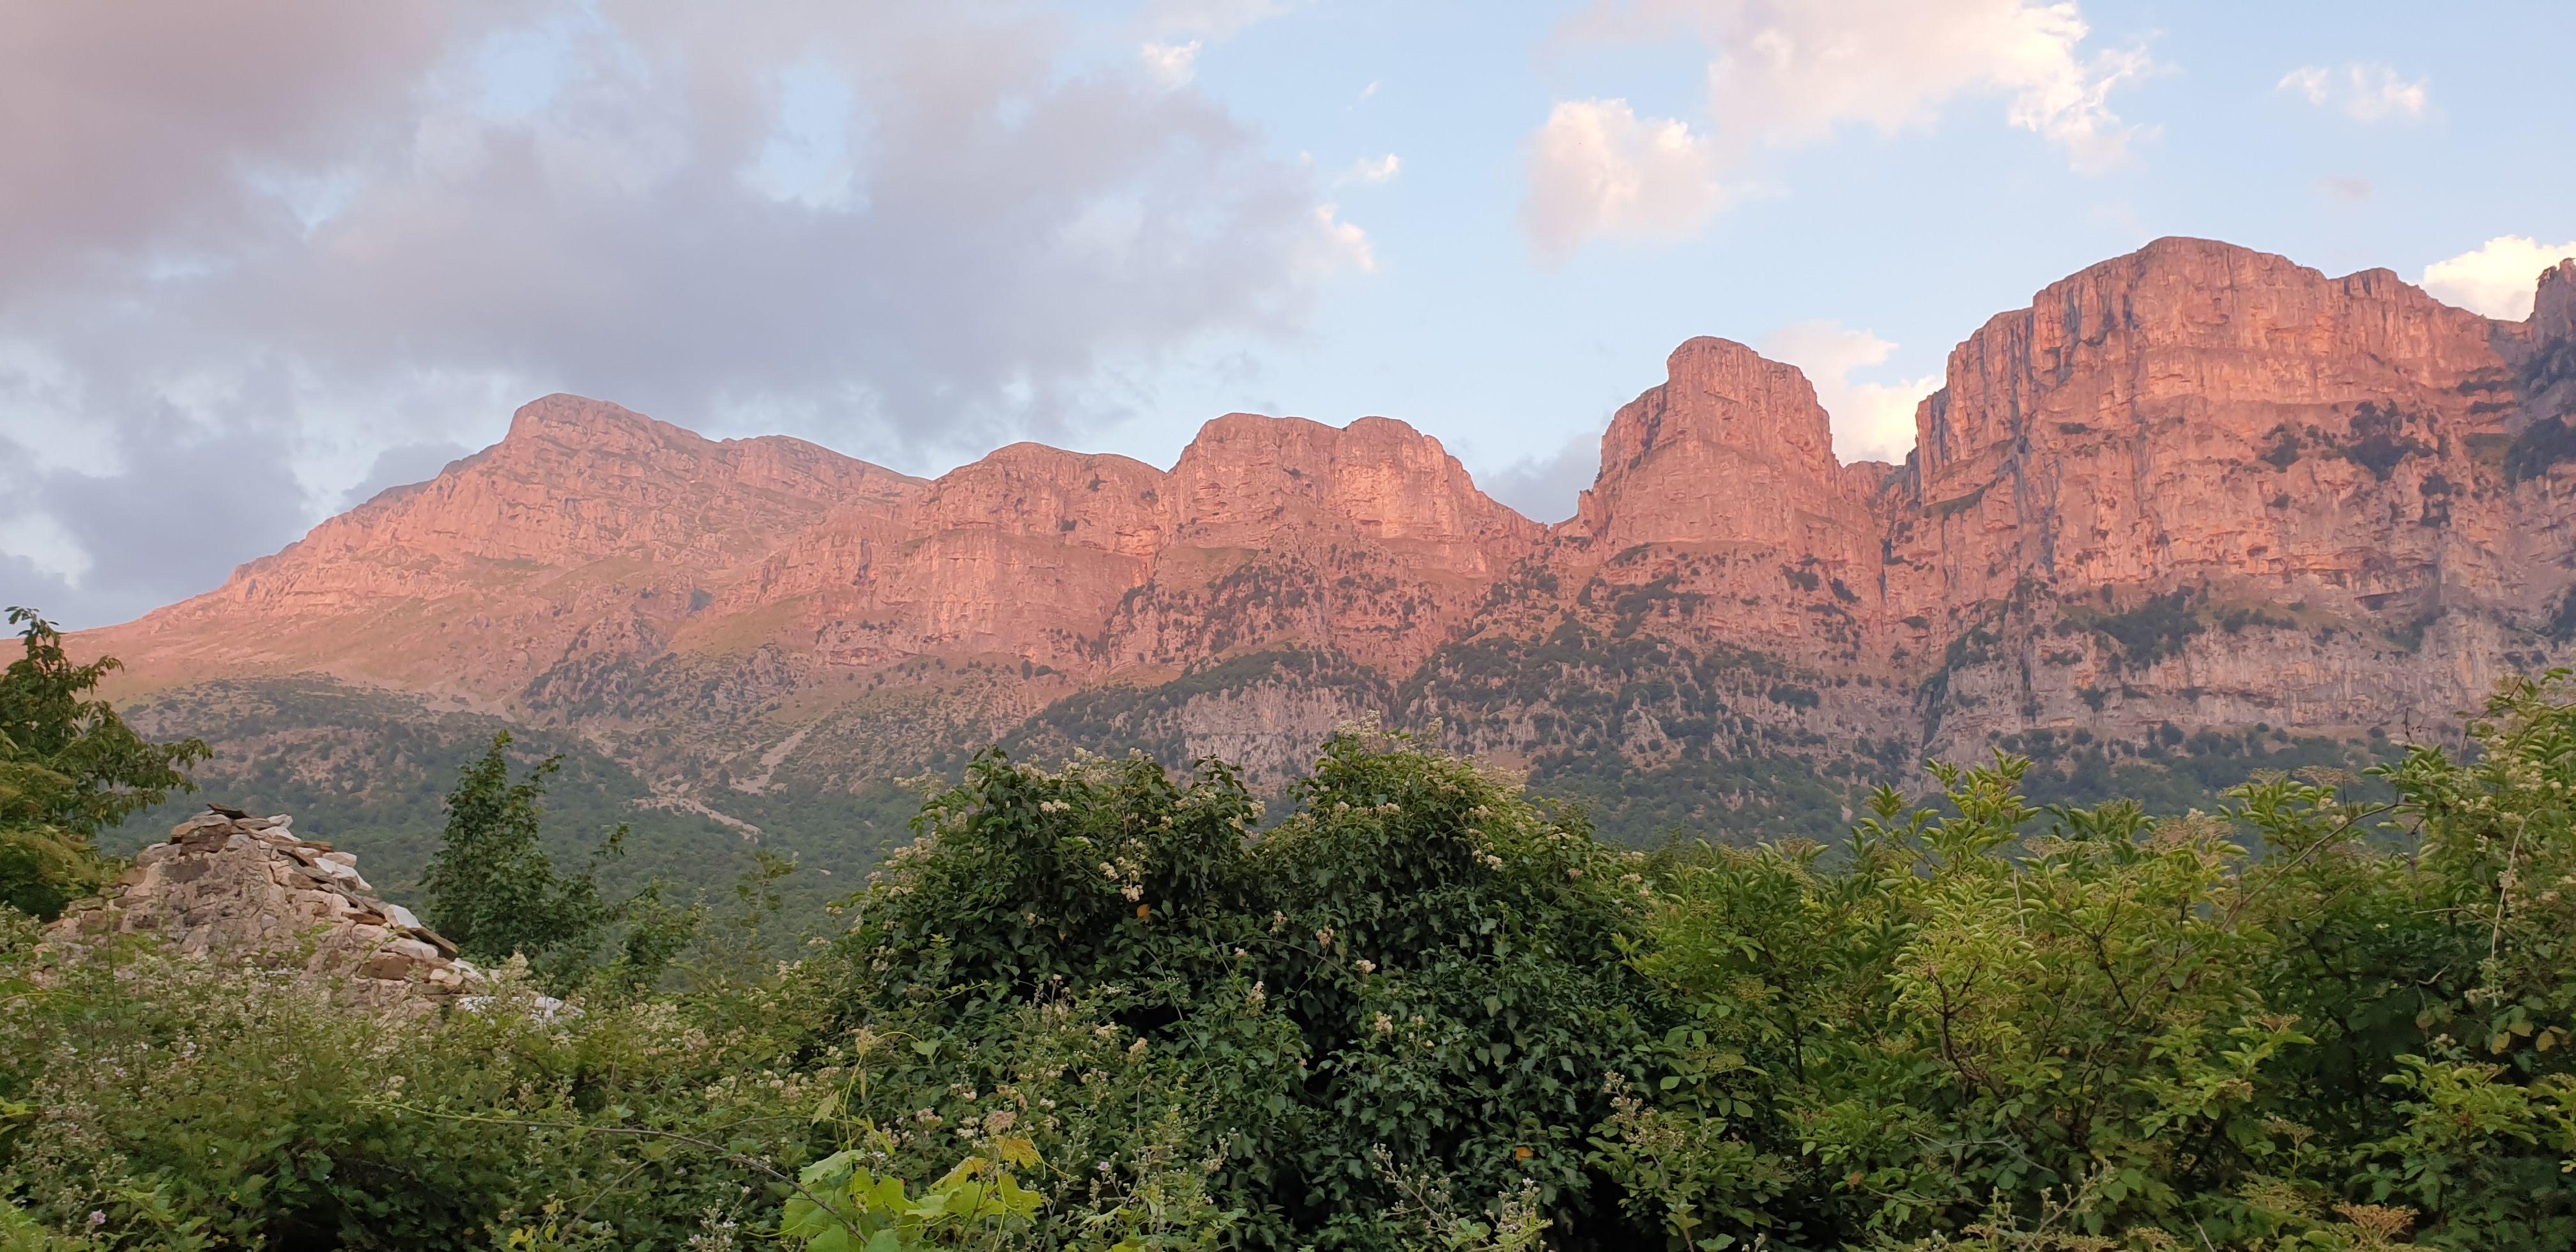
{"points": [[69, 768], [1415, 960], [1111, 1006]]}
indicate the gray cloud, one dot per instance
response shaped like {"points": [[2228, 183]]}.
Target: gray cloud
{"points": [[183, 496], [1545, 488], [149, 129], [311, 253], [401, 466]]}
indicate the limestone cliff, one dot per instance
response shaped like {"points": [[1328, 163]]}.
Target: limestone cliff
{"points": [[2193, 488]]}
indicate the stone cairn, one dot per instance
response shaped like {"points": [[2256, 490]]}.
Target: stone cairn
{"points": [[230, 885]]}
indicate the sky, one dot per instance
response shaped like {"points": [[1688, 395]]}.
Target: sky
{"points": [[261, 260]]}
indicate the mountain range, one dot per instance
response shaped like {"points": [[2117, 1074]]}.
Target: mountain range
{"points": [[2195, 510]]}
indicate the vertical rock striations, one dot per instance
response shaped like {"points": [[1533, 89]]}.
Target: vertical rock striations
{"points": [[2193, 487]]}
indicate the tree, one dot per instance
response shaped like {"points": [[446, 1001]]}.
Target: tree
{"points": [[1417, 974], [492, 889], [69, 768]]}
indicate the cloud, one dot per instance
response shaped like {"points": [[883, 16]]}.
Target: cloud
{"points": [[1377, 170], [401, 466], [1172, 64], [2499, 278], [1789, 73], [1871, 421], [1342, 245], [2348, 190], [286, 253], [1794, 73], [51, 554], [2365, 91], [1598, 170], [96, 547], [1545, 488]]}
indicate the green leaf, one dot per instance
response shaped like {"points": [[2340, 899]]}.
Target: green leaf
{"points": [[803, 1219], [829, 1171]]}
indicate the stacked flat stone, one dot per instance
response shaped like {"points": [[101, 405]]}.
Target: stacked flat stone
{"points": [[247, 888]]}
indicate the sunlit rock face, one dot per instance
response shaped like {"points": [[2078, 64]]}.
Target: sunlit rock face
{"points": [[2195, 486]]}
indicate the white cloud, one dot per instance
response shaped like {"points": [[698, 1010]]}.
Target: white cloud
{"points": [[1871, 421], [46, 547], [1374, 170], [2316, 82], [2365, 91], [1791, 73], [1597, 169], [1341, 245], [1795, 72], [2499, 278], [1171, 64]]}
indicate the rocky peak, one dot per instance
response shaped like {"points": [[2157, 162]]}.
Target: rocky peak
{"points": [[2553, 307], [230, 886], [1724, 392], [1030, 490], [1246, 479], [2186, 325], [580, 480], [2173, 417], [2546, 355], [602, 445], [1722, 451], [596, 426]]}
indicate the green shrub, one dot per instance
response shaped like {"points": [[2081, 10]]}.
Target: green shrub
{"points": [[1415, 961], [1109, 1007], [176, 1103], [2130, 1029]]}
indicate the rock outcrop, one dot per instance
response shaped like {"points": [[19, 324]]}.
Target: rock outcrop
{"points": [[2196, 487], [246, 888], [1719, 496]]}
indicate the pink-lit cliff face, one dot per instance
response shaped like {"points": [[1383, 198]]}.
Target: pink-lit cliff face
{"points": [[2356, 480]]}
